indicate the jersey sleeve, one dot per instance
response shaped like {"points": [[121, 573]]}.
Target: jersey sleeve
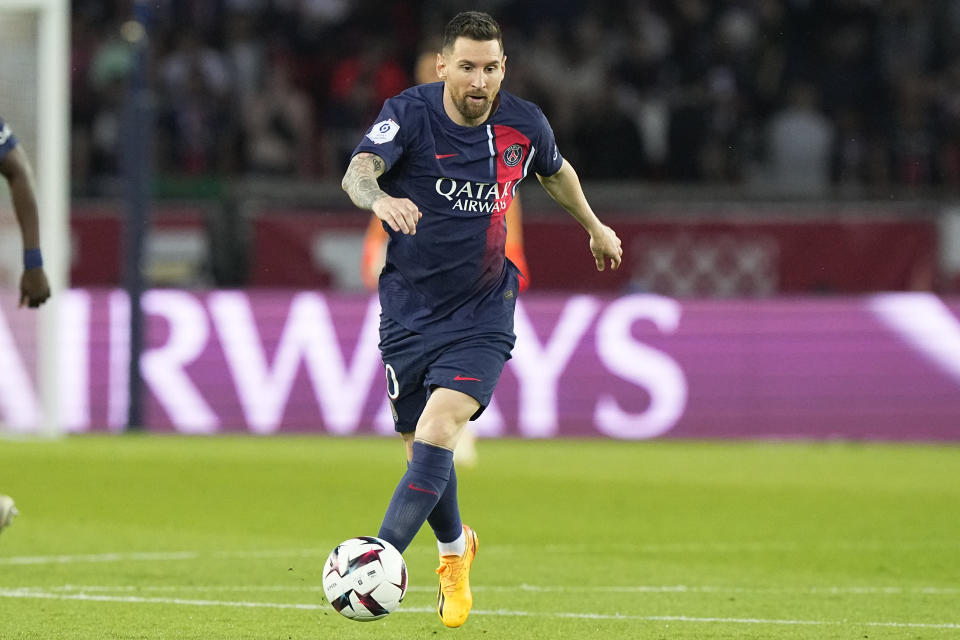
{"points": [[548, 159], [7, 140], [386, 137]]}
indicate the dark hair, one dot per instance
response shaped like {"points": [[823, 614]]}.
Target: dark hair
{"points": [[475, 25]]}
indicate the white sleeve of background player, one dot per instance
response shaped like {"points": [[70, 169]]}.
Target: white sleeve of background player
{"points": [[386, 136], [548, 159]]}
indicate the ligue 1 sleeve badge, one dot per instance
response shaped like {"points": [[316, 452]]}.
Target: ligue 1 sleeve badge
{"points": [[512, 155], [383, 131]]}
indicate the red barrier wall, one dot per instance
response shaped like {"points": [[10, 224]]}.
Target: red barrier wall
{"points": [[683, 256]]}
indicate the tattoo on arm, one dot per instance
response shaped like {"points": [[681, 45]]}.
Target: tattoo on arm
{"points": [[360, 180]]}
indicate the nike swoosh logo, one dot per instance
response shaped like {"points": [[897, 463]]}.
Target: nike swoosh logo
{"points": [[421, 489], [441, 156], [466, 378]]}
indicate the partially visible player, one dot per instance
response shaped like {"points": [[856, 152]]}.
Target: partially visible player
{"points": [[7, 511], [34, 288], [375, 252], [15, 167], [440, 168]]}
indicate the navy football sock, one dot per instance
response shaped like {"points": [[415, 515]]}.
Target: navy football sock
{"points": [[417, 494], [445, 517]]}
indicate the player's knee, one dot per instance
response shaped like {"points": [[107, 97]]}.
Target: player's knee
{"points": [[439, 430]]}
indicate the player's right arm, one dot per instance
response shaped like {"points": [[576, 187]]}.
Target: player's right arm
{"points": [[14, 166], [360, 183]]}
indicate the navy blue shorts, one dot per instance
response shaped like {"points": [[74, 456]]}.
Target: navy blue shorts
{"points": [[416, 363]]}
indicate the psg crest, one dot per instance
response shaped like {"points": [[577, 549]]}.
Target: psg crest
{"points": [[512, 155]]}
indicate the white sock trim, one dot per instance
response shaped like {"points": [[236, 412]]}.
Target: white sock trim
{"points": [[455, 548]]}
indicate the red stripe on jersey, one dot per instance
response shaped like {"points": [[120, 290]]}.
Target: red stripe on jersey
{"points": [[512, 149]]}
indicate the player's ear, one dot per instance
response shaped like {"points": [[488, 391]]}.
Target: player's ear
{"points": [[441, 67]]}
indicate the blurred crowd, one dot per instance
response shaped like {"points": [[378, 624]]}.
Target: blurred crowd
{"points": [[803, 96]]}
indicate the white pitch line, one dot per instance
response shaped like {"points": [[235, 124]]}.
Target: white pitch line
{"points": [[740, 547], [100, 557], [43, 595], [531, 588], [830, 590], [678, 547], [157, 556], [249, 588]]}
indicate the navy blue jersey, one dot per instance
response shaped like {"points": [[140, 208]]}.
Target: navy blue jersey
{"points": [[7, 140], [452, 274]]}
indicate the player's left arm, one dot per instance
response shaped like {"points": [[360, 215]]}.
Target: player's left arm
{"points": [[14, 166], [564, 187]]}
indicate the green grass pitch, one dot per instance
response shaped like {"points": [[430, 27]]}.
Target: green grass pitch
{"points": [[224, 537]]}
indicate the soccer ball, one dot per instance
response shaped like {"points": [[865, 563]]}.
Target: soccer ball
{"points": [[365, 578]]}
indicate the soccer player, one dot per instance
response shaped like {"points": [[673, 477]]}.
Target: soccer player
{"points": [[440, 168], [34, 288], [374, 254]]}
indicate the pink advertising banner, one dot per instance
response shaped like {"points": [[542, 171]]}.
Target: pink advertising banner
{"points": [[883, 366]]}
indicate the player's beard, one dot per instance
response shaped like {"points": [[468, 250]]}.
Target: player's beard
{"points": [[472, 110]]}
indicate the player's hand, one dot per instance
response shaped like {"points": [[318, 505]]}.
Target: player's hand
{"points": [[604, 244], [400, 214], [34, 288]]}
